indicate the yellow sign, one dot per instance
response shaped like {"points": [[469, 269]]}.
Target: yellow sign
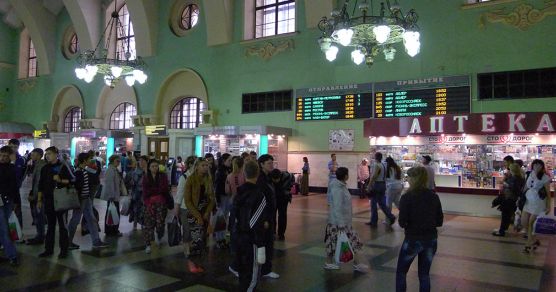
{"points": [[156, 130], [40, 134]]}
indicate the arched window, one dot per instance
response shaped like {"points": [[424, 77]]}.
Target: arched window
{"points": [[71, 121], [125, 37], [189, 16], [74, 44], [32, 60], [121, 116], [186, 114]]}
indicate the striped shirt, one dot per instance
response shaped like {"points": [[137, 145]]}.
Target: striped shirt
{"points": [[82, 183]]}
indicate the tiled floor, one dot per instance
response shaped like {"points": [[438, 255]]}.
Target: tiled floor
{"points": [[468, 259]]}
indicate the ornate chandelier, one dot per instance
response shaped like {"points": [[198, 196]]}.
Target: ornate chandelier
{"points": [[369, 33], [91, 62]]}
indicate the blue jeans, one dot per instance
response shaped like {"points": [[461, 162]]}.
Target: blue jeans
{"points": [[87, 212], [40, 221], [9, 247], [425, 249], [379, 200], [226, 206]]}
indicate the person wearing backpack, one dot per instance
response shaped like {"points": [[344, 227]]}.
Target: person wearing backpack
{"points": [[253, 218]]}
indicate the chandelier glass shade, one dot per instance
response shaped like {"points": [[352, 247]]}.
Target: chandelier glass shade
{"points": [[97, 61], [368, 33]]}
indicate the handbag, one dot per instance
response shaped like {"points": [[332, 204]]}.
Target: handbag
{"points": [[125, 205], [545, 224], [219, 222], [66, 199], [344, 252], [174, 232]]}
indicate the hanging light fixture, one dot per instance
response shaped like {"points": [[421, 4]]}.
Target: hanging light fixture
{"points": [[91, 62], [368, 32]]}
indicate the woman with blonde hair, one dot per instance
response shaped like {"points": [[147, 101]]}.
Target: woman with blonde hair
{"points": [[420, 214], [200, 201]]}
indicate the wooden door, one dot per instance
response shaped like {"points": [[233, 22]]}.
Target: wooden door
{"points": [[158, 147]]}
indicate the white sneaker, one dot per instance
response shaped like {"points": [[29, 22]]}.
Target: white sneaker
{"points": [[272, 275], [233, 272], [362, 268], [328, 266], [148, 249]]}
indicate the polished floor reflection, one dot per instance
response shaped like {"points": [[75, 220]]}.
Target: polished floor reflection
{"points": [[468, 259]]}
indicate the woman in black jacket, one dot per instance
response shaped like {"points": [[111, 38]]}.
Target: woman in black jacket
{"points": [[420, 214], [511, 191]]}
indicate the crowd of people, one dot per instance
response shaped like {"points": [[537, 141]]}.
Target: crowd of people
{"points": [[242, 201]]}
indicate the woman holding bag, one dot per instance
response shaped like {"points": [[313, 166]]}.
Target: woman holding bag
{"points": [[155, 190], [537, 201], [339, 221], [111, 192], [200, 201]]}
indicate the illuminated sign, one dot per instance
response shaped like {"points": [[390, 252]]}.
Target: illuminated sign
{"points": [[422, 97], [333, 107], [157, 130], [40, 134]]}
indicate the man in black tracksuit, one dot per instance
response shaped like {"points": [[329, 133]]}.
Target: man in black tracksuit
{"points": [[252, 217], [266, 164]]}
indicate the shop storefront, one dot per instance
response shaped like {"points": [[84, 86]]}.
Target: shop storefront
{"points": [[467, 150], [236, 140], [106, 142], [21, 131]]}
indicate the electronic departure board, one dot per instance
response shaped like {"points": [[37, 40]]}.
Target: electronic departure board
{"points": [[334, 107], [422, 97]]}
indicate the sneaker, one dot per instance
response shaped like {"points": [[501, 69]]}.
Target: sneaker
{"points": [[328, 266], [14, 262], [73, 246], [148, 249], [100, 245], [272, 275], [233, 271], [361, 268], [498, 233]]}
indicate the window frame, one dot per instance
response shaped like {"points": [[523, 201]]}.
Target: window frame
{"points": [[276, 6], [517, 84], [177, 118], [190, 23], [74, 115], [32, 71], [279, 101], [123, 36], [126, 109]]}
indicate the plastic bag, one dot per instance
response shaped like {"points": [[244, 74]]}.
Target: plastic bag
{"points": [[14, 227], [219, 222], [113, 219], [125, 203], [174, 232], [344, 252], [545, 224]]}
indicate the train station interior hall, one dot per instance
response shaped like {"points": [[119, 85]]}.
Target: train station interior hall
{"points": [[132, 101]]}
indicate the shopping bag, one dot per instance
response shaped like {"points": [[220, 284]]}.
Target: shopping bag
{"points": [[344, 252], [545, 224], [174, 232], [125, 203], [113, 219], [15, 228], [219, 222]]}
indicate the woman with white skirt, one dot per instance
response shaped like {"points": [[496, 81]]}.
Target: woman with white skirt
{"points": [[537, 201]]}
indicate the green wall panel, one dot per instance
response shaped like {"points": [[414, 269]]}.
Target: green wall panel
{"points": [[452, 44]]}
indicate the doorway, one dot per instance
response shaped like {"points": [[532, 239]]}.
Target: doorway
{"points": [[158, 147]]}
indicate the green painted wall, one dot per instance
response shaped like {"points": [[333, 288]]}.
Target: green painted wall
{"points": [[452, 44], [8, 58]]}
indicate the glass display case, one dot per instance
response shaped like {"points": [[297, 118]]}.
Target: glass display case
{"points": [[470, 166]]}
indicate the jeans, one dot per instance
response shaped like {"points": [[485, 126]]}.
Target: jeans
{"points": [[379, 198], [226, 206], [87, 212], [9, 247], [425, 249], [282, 210], [39, 219]]}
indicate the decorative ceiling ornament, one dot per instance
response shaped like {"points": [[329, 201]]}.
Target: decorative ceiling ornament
{"points": [[369, 31], [25, 85], [522, 17], [268, 49], [91, 62]]}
